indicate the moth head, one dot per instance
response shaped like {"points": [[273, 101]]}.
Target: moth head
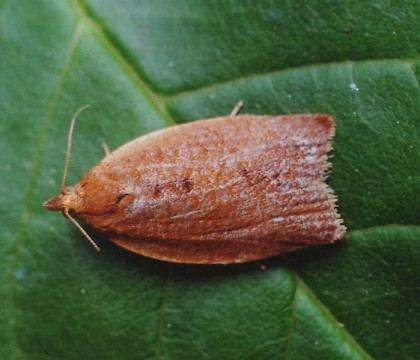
{"points": [[69, 198]]}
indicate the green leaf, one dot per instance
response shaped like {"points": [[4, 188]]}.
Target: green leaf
{"points": [[144, 65]]}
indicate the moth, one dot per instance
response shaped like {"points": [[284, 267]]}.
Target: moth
{"points": [[231, 189]]}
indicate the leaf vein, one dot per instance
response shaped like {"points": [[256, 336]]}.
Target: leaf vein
{"points": [[24, 213]]}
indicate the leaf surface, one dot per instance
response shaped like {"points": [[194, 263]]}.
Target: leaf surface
{"points": [[144, 65]]}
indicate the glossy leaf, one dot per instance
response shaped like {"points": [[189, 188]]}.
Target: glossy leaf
{"points": [[144, 65]]}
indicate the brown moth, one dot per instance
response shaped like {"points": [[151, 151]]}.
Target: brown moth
{"points": [[232, 189]]}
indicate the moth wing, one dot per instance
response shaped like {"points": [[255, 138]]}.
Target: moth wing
{"points": [[230, 189]]}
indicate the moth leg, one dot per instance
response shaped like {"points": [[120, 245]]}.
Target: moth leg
{"points": [[237, 108], [105, 148]]}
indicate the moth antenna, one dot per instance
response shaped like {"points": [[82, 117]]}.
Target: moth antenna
{"points": [[237, 108], [69, 138], [85, 234]]}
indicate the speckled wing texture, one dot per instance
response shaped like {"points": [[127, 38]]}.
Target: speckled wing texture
{"points": [[224, 190]]}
